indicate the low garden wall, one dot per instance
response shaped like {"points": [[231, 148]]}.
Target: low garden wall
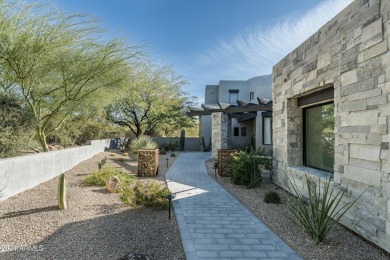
{"points": [[21, 173]]}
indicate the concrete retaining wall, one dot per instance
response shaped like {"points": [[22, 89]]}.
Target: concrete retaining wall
{"points": [[21, 173]]}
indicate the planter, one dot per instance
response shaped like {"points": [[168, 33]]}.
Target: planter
{"points": [[223, 161], [148, 162]]}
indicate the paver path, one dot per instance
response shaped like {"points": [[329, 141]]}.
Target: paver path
{"points": [[212, 223]]}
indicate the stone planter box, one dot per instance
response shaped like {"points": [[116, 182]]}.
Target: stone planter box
{"points": [[223, 161], [148, 162]]}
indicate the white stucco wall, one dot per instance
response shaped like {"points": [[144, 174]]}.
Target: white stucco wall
{"points": [[21, 173]]}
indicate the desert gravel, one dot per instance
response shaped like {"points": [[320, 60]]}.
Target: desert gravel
{"points": [[339, 244], [96, 225]]}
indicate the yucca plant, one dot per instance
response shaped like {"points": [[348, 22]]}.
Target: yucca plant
{"points": [[143, 142], [320, 211]]}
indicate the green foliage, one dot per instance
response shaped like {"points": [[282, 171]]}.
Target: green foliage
{"points": [[245, 168], [321, 210], [15, 125], [272, 197], [143, 142], [205, 147], [149, 194], [99, 178], [154, 102], [171, 146], [62, 192], [59, 63]]}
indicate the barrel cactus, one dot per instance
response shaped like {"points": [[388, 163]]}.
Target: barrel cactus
{"points": [[62, 192]]}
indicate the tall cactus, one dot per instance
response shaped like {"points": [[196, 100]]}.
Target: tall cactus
{"points": [[62, 192], [182, 139]]}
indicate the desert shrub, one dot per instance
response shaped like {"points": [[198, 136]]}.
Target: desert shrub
{"points": [[171, 146], [149, 194], [205, 147], [16, 126], [272, 197], [143, 142], [320, 211], [245, 168], [113, 154], [121, 159], [99, 178]]}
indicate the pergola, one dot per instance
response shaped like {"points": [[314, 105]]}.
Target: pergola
{"points": [[242, 109], [222, 115]]}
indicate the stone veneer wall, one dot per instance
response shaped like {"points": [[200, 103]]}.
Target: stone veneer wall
{"points": [[221, 133], [349, 54]]}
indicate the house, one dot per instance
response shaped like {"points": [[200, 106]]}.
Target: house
{"points": [[247, 126], [331, 114]]}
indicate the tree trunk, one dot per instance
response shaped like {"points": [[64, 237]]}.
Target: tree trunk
{"points": [[42, 139]]}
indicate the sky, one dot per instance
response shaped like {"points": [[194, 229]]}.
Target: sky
{"points": [[211, 40]]}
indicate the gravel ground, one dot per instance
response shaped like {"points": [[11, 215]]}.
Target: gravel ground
{"points": [[339, 244], [96, 225]]}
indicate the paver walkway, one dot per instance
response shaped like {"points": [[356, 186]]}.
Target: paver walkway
{"points": [[212, 223]]}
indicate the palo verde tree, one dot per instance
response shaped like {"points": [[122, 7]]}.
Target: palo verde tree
{"points": [[154, 98], [57, 62]]}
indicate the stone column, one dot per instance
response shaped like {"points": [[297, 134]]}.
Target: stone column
{"points": [[221, 132]]}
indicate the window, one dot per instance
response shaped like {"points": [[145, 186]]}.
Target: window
{"points": [[233, 96], [319, 136], [235, 131], [267, 128], [251, 96], [243, 131]]}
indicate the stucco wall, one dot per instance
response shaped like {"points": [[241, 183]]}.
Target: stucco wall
{"points": [[225, 85], [21, 173], [261, 86], [349, 54]]}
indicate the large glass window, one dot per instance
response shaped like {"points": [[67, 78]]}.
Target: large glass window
{"points": [[319, 137], [267, 130]]}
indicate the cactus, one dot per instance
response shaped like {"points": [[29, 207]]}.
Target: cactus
{"points": [[182, 139], [62, 192]]}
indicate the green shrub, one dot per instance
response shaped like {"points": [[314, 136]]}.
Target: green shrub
{"points": [[149, 194], [320, 211], [143, 142], [272, 197], [99, 178], [245, 168]]}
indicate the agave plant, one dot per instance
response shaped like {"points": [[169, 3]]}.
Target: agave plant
{"points": [[143, 142], [320, 211]]}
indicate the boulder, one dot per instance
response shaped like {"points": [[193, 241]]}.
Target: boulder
{"points": [[112, 184]]}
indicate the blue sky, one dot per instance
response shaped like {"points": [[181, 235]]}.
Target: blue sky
{"points": [[209, 40]]}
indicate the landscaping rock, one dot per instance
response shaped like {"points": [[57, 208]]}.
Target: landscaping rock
{"points": [[113, 184]]}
